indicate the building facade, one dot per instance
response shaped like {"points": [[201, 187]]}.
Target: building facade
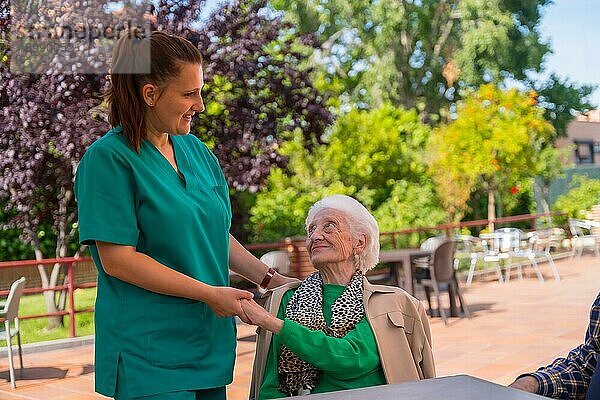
{"points": [[583, 133]]}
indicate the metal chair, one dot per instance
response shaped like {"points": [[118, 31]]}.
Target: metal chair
{"points": [[491, 253], [532, 252], [10, 313], [442, 274], [550, 238], [581, 230]]}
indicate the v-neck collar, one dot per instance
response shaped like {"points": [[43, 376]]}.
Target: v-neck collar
{"points": [[180, 161]]}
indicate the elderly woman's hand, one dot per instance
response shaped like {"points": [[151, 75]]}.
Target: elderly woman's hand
{"points": [[259, 316]]}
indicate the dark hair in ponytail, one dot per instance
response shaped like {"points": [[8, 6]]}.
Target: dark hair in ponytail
{"points": [[136, 61]]}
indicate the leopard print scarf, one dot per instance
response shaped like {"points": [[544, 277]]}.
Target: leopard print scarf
{"points": [[306, 308]]}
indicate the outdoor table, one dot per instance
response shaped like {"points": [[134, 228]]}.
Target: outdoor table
{"points": [[460, 387], [401, 259]]}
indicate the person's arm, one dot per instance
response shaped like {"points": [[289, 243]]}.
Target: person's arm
{"points": [[569, 377], [566, 378], [106, 192], [242, 262], [126, 264], [344, 358], [526, 383], [427, 363]]}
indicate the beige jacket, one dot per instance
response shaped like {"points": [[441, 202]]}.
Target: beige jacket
{"points": [[399, 324]]}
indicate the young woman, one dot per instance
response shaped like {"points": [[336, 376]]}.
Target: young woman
{"points": [[154, 208]]}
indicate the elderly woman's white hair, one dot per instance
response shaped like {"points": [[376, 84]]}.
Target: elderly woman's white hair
{"points": [[360, 220]]}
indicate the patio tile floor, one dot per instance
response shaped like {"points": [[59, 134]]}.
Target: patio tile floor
{"points": [[516, 327]]}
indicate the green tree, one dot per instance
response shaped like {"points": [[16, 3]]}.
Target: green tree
{"points": [[373, 155], [424, 54], [561, 100], [410, 204], [419, 53], [551, 162], [584, 193], [11, 245], [370, 150], [494, 143]]}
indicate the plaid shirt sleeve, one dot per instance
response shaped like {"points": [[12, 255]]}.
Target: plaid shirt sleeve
{"points": [[569, 378]]}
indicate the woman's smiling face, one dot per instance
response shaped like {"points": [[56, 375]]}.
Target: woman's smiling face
{"points": [[176, 102]]}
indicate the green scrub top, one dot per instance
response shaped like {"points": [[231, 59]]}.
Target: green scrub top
{"points": [[164, 343]]}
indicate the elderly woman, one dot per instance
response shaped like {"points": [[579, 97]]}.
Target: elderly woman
{"points": [[335, 330]]}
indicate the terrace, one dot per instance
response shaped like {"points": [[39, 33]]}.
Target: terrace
{"points": [[516, 327]]}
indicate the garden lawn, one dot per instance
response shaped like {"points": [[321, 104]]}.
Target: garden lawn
{"points": [[36, 330]]}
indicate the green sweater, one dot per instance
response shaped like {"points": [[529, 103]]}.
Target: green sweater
{"points": [[345, 363]]}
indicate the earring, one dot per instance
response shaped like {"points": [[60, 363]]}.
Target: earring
{"points": [[356, 262], [151, 104]]}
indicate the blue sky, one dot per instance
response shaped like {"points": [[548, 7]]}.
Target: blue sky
{"points": [[573, 29]]}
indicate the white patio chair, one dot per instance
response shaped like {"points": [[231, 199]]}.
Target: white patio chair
{"points": [[532, 252], [491, 253], [279, 260], [581, 230], [10, 313], [550, 238]]}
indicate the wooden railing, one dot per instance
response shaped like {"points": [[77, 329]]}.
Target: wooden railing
{"points": [[300, 263]]}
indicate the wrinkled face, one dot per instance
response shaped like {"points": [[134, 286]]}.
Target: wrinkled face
{"points": [[177, 101], [329, 238]]}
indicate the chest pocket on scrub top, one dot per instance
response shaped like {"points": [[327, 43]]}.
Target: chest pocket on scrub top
{"points": [[222, 194]]}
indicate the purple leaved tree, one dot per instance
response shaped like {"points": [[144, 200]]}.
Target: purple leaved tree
{"points": [[257, 94], [50, 99], [258, 89], [44, 130]]}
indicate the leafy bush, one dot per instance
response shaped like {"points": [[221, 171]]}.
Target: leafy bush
{"points": [[374, 156], [584, 194]]}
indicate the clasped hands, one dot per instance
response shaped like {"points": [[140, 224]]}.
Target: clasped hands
{"points": [[254, 314], [228, 301]]}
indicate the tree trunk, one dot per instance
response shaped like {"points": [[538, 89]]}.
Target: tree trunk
{"points": [[49, 296], [57, 321], [543, 189], [476, 210], [62, 298], [545, 197], [61, 271], [56, 302], [491, 209]]}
